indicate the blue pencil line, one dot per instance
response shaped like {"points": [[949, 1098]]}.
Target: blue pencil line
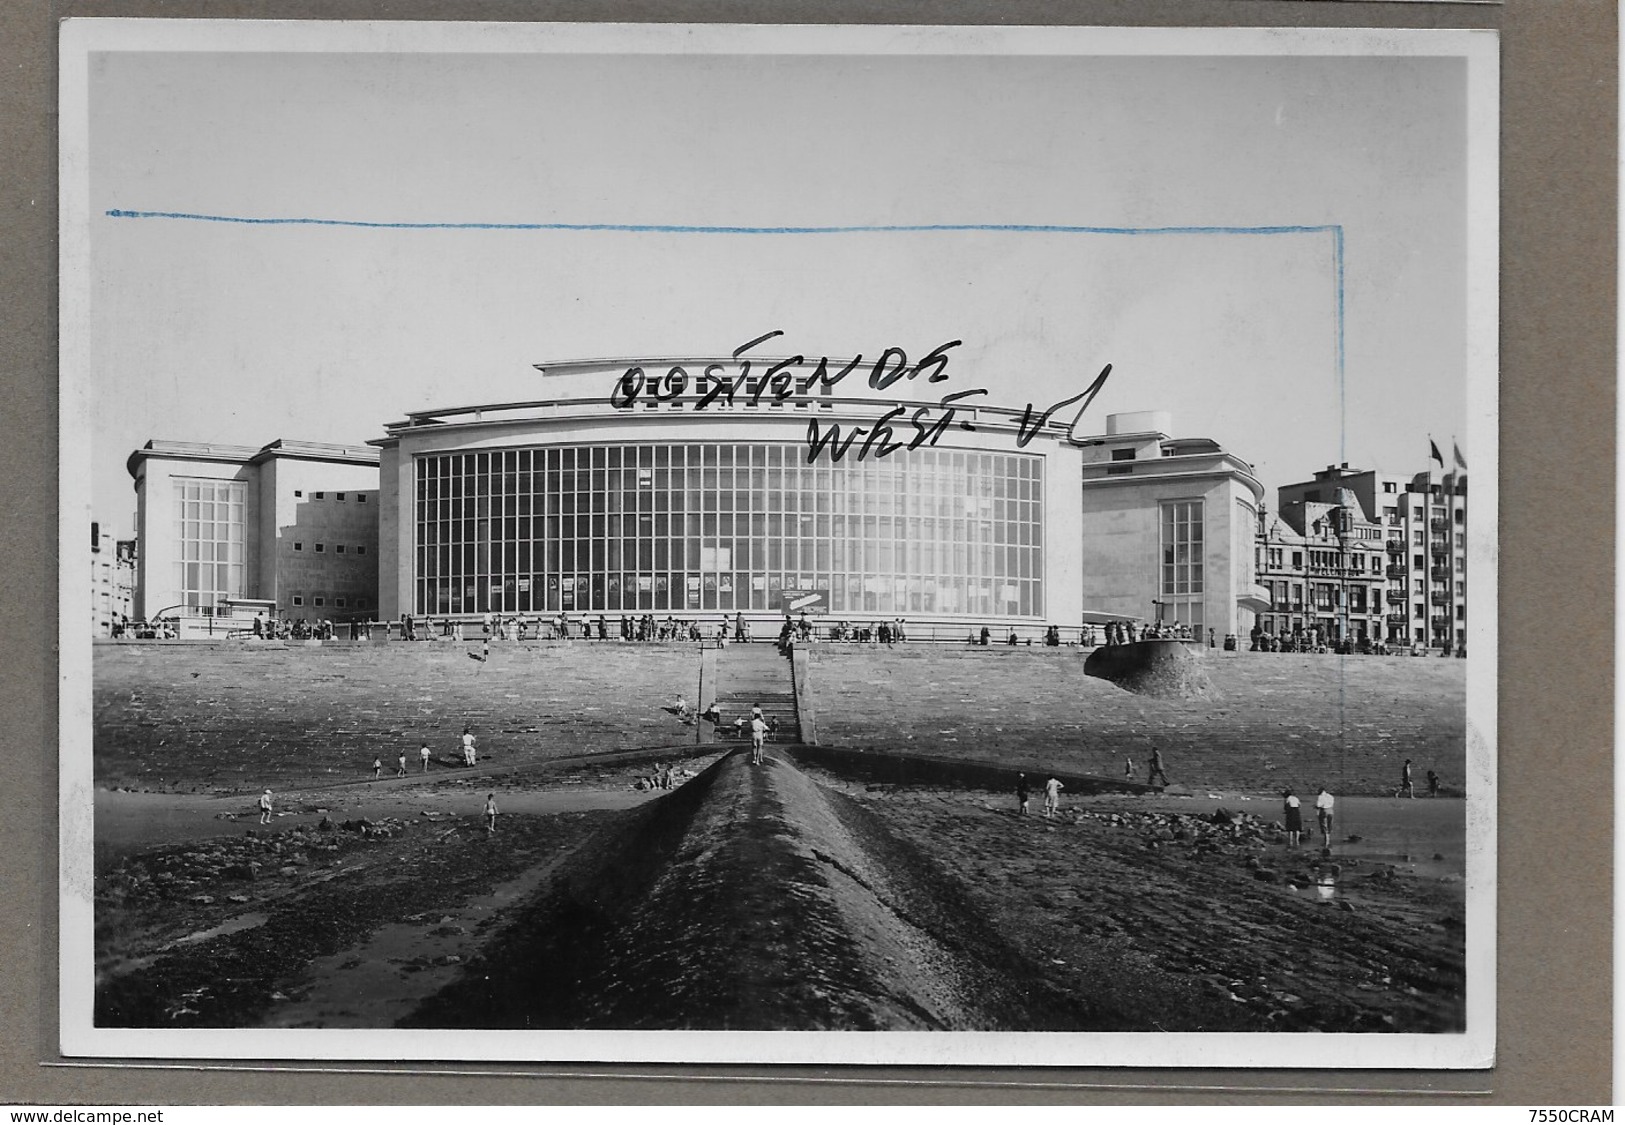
{"points": [[1342, 404], [672, 228]]}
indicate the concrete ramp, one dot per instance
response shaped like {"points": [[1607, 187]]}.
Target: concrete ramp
{"points": [[748, 899]]}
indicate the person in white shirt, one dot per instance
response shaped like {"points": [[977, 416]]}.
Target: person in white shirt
{"points": [[469, 753], [1324, 804]]}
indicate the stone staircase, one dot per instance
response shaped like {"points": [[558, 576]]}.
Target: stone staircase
{"points": [[756, 675]]}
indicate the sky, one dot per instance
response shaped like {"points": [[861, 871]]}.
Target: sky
{"points": [[243, 333]]}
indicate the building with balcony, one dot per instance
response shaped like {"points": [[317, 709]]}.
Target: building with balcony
{"points": [[1326, 568], [1423, 523], [291, 525], [1168, 527]]}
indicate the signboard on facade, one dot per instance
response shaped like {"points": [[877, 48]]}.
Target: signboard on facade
{"points": [[804, 601]]}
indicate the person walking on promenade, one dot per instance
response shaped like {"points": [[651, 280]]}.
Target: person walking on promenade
{"points": [[1294, 819], [1052, 797], [1325, 805], [1156, 770], [377, 768], [1407, 787], [423, 752], [265, 807], [469, 753], [401, 772], [490, 813], [1024, 794]]}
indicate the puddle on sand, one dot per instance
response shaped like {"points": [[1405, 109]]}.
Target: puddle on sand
{"points": [[380, 981], [117, 967], [1326, 883], [229, 926]]}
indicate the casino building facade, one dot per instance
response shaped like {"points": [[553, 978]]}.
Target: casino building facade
{"points": [[696, 490], [678, 501]]}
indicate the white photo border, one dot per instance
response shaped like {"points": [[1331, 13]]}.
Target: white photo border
{"points": [[82, 39]]}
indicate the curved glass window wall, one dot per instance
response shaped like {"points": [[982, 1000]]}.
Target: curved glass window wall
{"points": [[693, 528]]}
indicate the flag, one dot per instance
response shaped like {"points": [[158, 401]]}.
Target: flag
{"points": [[1437, 456], [1461, 462]]}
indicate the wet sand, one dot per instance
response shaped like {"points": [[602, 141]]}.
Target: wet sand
{"points": [[127, 822]]}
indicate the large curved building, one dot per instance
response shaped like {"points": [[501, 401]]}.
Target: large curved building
{"points": [[679, 499]]}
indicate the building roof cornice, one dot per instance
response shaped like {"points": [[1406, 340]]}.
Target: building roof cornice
{"points": [[980, 415], [1226, 467], [248, 454]]}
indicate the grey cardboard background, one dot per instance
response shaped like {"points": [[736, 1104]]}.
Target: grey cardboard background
{"points": [[1555, 978]]}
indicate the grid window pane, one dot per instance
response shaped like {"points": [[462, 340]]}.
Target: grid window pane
{"points": [[209, 523], [1182, 563], [739, 524]]}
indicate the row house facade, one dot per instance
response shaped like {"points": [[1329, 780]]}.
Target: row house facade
{"points": [[1414, 596], [1324, 566]]}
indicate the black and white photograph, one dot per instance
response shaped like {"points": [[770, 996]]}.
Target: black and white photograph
{"points": [[678, 543]]}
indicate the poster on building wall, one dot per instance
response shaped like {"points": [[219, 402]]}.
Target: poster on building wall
{"points": [[1108, 340]]}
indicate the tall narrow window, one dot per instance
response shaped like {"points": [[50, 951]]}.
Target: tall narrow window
{"points": [[1182, 551]]}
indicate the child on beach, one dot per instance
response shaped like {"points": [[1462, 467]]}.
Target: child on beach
{"points": [[490, 813], [377, 768], [265, 807]]}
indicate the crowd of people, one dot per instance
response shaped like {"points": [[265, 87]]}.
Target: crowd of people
{"points": [[299, 629], [727, 628], [1315, 638], [163, 629], [563, 626]]}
